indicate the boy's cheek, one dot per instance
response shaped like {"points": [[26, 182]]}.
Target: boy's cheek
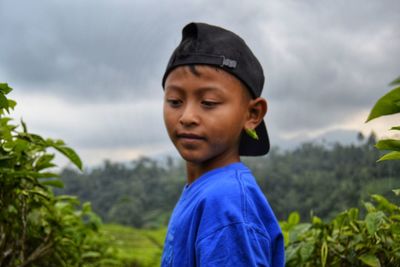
{"points": [[170, 129], [170, 123]]}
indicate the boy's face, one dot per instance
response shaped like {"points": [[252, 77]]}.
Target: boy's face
{"points": [[205, 113]]}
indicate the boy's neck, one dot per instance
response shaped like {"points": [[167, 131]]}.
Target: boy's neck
{"points": [[195, 170]]}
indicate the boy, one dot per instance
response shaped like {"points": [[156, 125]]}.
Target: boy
{"points": [[213, 113]]}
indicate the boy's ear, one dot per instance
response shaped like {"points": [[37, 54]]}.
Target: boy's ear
{"points": [[256, 112]]}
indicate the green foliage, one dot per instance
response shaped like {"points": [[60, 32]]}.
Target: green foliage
{"points": [[140, 194], [391, 156], [387, 105], [36, 227], [347, 240], [323, 180], [143, 193]]}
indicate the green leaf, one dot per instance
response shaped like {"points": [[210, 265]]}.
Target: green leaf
{"points": [[291, 253], [54, 183], [21, 145], [306, 251], [44, 162], [72, 155], [28, 174], [3, 101], [386, 105], [388, 144], [370, 260], [395, 82], [316, 220], [8, 146], [285, 237], [396, 191], [395, 128], [373, 221], [37, 139], [324, 253], [39, 193], [4, 88], [91, 254], [71, 199], [86, 207], [393, 224], [24, 128], [383, 203], [4, 121], [298, 230], [252, 133], [67, 151], [353, 213], [395, 155], [33, 138], [294, 218], [56, 142], [11, 103]]}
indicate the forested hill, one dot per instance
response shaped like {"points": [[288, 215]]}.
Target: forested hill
{"points": [[310, 179]]}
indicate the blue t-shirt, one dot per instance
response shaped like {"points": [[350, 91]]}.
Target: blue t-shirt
{"points": [[223, 219]]}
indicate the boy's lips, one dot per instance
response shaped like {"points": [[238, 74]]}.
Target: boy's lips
{"points": [[189, 136]]}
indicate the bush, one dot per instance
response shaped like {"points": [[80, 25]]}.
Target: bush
{"points": [[348, 240], [37, 228]]}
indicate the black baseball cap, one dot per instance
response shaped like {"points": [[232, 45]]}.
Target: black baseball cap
{"points": [[204, 44]]}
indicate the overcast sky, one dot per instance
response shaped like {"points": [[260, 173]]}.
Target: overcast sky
{"points": [[89, 72]]}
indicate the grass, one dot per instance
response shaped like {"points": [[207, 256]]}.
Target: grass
{"points": [[135, 247]]}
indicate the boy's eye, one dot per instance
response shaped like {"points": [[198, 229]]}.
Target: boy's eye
{"points": [[174, 102], [209, 104]]}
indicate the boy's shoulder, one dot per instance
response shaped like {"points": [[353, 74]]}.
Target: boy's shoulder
{"points": [[230, 196], [227, 182], [227, 186]]}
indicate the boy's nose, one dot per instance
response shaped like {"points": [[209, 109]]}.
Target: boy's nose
{"points": [[189, 116]]}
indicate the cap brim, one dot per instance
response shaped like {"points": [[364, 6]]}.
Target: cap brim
{"points": [[251, 147]]}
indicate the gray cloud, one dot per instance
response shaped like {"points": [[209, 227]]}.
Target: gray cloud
{"points": [[101, 49], [98, 49], [332, 60], [323, 60]]}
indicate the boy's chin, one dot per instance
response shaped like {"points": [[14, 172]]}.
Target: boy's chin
{"points": [[192, 158], [203, 156], [195, 157]]}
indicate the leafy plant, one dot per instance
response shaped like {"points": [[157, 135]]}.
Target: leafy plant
{"points": [[387, 105], [349, 240], [36, 227]]}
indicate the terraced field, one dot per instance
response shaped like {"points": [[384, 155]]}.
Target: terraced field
{"points": [[135, 247]]}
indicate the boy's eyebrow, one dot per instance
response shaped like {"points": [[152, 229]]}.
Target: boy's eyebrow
{"points": [[198, 90], [173, 87]]}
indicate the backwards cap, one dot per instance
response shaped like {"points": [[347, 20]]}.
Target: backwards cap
{"points": [[204, 44]]}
